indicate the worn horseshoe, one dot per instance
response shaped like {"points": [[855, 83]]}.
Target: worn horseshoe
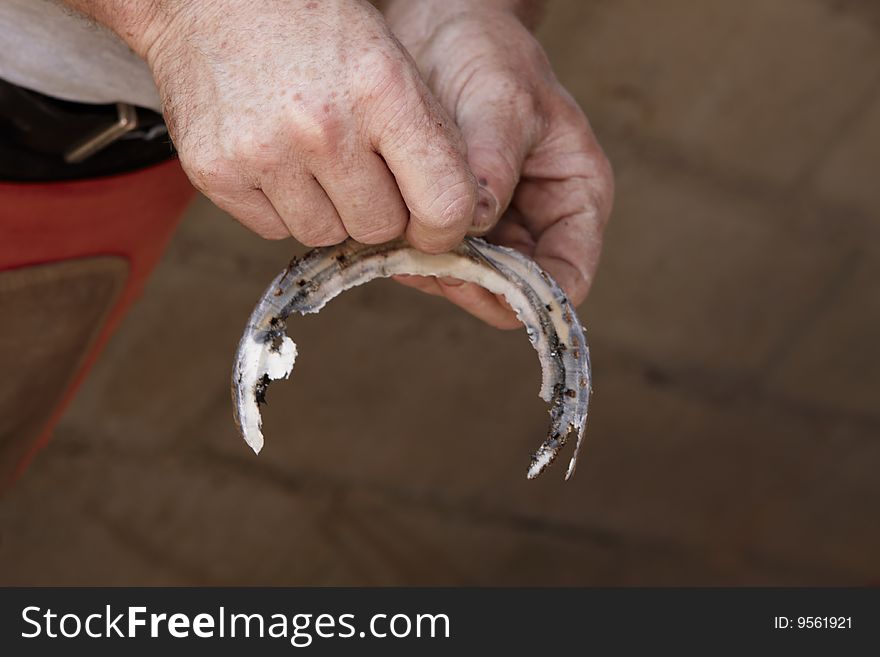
{"points": [[265, 352]]}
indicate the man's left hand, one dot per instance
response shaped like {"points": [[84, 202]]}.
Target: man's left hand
{"points": [[546, 186]]}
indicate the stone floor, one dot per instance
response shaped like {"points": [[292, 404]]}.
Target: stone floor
{"points": [[735, 436]]}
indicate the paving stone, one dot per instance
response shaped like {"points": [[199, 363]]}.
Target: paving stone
{"points": [[667, 480], [759, 87], [699, 461], [175, 357], [234, 528], [732, 437], [693, 274], [47, 537]]}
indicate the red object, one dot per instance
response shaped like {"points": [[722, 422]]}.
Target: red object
{"points": [[131, 215]]}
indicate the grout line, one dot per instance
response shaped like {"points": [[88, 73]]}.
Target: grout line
{"points": [[732, 391], [629, 148]]}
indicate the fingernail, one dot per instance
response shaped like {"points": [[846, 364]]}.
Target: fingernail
{"points": [[487, 210], [447, 280]]}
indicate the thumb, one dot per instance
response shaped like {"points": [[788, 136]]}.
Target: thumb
{"points": [[424, 151], [496, 129]]}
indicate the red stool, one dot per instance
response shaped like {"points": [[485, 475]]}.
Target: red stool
{"points": [[46, 228]]}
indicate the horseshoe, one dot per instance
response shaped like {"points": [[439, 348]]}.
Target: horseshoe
{"points": [[265, 352]]}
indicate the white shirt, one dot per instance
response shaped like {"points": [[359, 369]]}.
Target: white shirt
{"points": [[49, 48]]}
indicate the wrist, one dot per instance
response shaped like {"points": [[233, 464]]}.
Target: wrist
{"points": [[420, 16], [138, 24], [416, 23]]}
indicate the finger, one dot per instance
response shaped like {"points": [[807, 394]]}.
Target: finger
{"points": [[253, 210], [564, 201], [570, 254], [366, 198], [449, 284], [511, 232], [498, 124], [306, 210], [426, 284], [424, 151], [566, 222], [566, 174], [479, 302], [234, 193]]}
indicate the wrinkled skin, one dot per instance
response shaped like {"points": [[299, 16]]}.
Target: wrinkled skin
{"points": [[309, 119], [528, 143], [322, 119]]}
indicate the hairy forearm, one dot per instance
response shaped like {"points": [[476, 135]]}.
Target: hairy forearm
{"points": [[137, 23], [140, 23]]}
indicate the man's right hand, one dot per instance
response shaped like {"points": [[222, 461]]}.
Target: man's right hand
{"points": [[305, 118]]}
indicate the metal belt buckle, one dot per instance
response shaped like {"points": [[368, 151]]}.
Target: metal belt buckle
{"points": [[126, 122]]}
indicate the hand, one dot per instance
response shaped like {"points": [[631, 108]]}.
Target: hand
{"points": [[308, 119], [528, 144]]}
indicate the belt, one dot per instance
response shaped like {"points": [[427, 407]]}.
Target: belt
{"points": [[43, 139]]}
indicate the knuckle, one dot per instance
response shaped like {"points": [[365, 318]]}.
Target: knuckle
{"points": [[208, 172], [398, 120], [389, 69], [273, 231], [511, 98], [386, 77], [313, 235], [524, 102], [395, 100], [499, 165], [241, 143], [378, 233], [455, 206], [450, 213], [241, 146], [317, 134]]}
